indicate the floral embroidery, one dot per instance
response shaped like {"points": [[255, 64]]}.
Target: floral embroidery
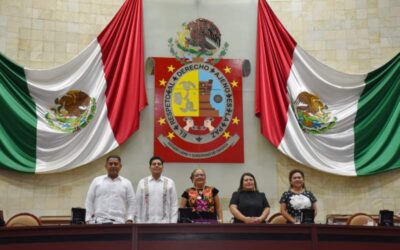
{"points": [[201, 206], [201, 200], [300, 201], [207, 192]]}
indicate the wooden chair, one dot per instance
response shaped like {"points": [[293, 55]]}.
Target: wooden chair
{"points": [[23, 220], [361, 219], [396, 220], [277, 218]]}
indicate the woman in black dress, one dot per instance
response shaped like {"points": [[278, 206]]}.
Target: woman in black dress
{"points": [[248, 205]]}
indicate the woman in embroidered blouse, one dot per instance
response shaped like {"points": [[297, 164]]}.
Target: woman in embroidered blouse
{"points": [[297, 198], [202, 199], [248, 205]]}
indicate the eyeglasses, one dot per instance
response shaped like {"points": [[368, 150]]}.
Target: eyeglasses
{"points": [[199, 175], [156, 164]]}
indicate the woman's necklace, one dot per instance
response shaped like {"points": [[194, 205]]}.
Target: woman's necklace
{"points": [[199, 194]]}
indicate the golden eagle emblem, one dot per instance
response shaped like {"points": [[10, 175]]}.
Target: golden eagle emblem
{"points": [[312, 114], [198, 40], [73, 111]]}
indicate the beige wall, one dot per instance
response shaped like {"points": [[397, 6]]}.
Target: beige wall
{"points": [[353, 36]]}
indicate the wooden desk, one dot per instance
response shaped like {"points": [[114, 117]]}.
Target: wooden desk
{"points": [[200, 237]]}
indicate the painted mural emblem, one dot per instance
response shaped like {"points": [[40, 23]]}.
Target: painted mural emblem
{"points": [[198, 103], [73, 111], [312, 114], [195, 113]]}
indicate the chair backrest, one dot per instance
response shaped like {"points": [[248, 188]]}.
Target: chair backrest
{"points": [[361, 219], [277, 219], [396, 220], [23, 220]]}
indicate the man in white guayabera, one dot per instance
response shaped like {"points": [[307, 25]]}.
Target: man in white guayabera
{"points": [[156, 196], [110, 198]]}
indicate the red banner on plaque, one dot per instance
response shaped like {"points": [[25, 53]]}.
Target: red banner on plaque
{"points": [[198, 115]]}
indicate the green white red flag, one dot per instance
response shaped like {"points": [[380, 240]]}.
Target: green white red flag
{"points": [[57, 119], [335, 122]]}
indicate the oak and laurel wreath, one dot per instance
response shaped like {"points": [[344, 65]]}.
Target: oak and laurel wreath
{"points": [[174, 53], [196, 53]]}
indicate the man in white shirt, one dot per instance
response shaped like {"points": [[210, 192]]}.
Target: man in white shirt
{"points": [[110, 198], [156, 196]]}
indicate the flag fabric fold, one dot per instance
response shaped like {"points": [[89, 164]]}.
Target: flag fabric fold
{"points": [[335, 122], [61, 118]]}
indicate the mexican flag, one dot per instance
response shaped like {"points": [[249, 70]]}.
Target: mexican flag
{"points": [[334, 122], [57, 119]]}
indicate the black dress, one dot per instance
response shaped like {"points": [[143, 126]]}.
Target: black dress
{"points": [[250, 204]]}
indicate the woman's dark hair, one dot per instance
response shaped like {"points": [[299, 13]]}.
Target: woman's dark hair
{"points": [[242, 178], [294, 171]]}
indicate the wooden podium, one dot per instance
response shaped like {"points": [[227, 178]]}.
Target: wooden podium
{"points": [[200, 237]]}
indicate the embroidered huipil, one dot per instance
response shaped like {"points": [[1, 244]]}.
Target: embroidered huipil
{"points": [[202, 201], [156, 201], [110, 200]]}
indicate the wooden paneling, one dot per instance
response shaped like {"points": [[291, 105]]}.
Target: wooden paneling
{"points": [[193, 237]]}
